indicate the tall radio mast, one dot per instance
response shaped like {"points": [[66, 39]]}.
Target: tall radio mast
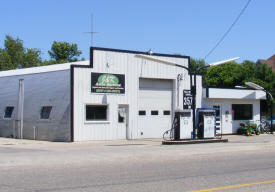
{"points": [[92, 31]]}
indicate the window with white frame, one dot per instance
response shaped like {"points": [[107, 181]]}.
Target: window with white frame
{"points": [[242, 111], [96, 112], [8, 112], [45, 112]]}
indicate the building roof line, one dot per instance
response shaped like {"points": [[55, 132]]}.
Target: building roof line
{"points": [[42, 69]]}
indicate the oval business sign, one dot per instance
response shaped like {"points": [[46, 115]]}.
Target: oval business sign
{"points": [[108, 80]]}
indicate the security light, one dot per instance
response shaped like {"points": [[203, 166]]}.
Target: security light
{"points": [[241, 87], [155, 59], [223, 62], [255, 86], [173, 63]]}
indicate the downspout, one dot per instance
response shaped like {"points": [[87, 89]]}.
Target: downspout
{"points": [[21, 106]]}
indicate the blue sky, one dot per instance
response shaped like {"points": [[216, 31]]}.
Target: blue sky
{"points": [[188, 27]]}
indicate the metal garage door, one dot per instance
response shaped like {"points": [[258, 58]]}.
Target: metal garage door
{"points": [[155, 107]]}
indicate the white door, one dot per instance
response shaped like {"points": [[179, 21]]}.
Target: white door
{"points": [[122, 122], [155, 107]]}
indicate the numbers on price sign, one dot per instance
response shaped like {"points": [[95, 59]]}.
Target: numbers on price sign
{"points": [[187, 101]]}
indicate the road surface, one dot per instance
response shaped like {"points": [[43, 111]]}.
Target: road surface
{"points": [[242, 164]]}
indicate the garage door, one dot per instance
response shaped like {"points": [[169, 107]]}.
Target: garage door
{"points": [[155, 107]]}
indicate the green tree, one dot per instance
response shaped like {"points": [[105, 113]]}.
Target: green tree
{"points": [[197, 63], [15, 55], [227, 75], [233, 74], [64, 51], [31, 58], [263, 76], [52, 62]]}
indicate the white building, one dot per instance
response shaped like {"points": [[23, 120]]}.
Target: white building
{"points": [[113, 96]]}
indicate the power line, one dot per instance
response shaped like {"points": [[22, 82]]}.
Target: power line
{"points": [[227, 31]]}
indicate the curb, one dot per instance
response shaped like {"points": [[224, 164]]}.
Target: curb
{"points": [[185, 142]]}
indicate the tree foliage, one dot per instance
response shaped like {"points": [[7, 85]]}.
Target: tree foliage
{"points": [[64, 51], [233, 74], [227, 75], [14, 55], [197, 63]]}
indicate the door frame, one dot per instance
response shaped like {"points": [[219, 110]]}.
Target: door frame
{"points": [[127, 129], [221, 124]]}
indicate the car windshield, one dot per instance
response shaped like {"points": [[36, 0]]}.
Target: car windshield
{"points": [[273, 118]]}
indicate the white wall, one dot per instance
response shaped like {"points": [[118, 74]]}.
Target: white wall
{"points": [[231, 126], [219, 93], [133, 68]]}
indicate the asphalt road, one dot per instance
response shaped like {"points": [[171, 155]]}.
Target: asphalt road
{"points": [[242, 164]]}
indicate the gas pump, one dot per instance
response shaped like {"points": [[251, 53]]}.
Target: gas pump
{"points": [[183, 125], [206, 122]]}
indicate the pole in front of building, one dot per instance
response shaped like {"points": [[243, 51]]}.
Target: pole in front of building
{"points": [[21, 106], [194, 88], [258, 87]]}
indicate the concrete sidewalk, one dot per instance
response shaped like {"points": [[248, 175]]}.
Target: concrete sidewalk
{"points": [[150, 141], [16, 152]]}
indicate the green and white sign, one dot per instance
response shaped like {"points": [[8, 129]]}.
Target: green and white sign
{"points": [[107, 83]]}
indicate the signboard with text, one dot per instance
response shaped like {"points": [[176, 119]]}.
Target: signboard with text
{"points": [[187, 99], [107, 83]]}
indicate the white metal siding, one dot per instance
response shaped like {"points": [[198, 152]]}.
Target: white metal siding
{"points": [[234, 93], [231, 126], [133, 68]]}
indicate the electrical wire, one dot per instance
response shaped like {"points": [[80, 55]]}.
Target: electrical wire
{"points": [[170, 130], [227, 31]]}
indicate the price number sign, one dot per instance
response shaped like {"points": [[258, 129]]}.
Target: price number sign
{"points": [[187, 99]]}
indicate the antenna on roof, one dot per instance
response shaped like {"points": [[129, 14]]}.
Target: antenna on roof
{"points": [[92, 32]]}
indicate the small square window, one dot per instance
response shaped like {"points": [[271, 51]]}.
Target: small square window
{"points": [[142, 112], [154, 113], [96, 112], [45, 112], [166, 112], [8, 112]]}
